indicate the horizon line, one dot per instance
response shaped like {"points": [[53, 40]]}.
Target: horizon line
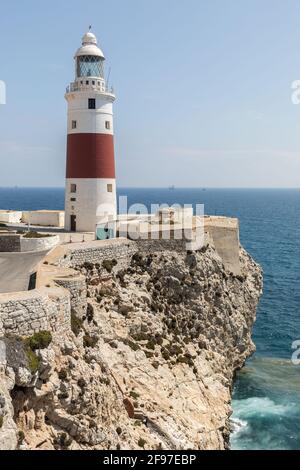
{"points": [[163, 187]]}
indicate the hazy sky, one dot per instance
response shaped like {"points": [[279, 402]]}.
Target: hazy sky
{"points": [[203, 89]]}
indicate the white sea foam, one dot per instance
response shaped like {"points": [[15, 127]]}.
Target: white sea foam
{"points": [[237, 425], [259, 407]]}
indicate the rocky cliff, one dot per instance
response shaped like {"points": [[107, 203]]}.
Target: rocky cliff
{"points": [[150, 365]]}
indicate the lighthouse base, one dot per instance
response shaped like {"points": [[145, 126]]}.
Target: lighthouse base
{"points": [[90, 203]]}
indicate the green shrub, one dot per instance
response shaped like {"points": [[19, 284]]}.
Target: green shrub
{"points": [[159, 339], [105, 381], [21, 437], [88, 266], [81, 383], [134, 346], [150, 344], [40, 340], [89, 310], [142, 442], [89, 341], [63, 441], [165, 354], [32, 360], [76, 324], [149, 354], [140, 336], [109, 264], [36, 235], [1, 421], [185, 360], [62, 374], [174, 349], [134, 394]]}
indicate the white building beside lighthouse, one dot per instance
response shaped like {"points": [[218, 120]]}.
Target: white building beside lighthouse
{"points": [[90, 195]]}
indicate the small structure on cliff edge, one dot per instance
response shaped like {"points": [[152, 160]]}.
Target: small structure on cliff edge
{"points": [[20, 255]]}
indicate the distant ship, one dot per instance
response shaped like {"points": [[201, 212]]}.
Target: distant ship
{"points": [[171, 188]]}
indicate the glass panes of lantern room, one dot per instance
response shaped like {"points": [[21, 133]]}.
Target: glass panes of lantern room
{"points": [[90, 66]]}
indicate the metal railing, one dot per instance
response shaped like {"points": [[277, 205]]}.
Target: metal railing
{"points": [[90, 87]]}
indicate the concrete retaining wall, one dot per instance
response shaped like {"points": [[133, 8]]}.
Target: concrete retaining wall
{"points": [[37, 244], [10, 217], [16, 268], [225, 235], [44, 218]]}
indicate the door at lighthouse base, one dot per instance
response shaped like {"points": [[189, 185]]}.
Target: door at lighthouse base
{"points": [[73, 223]]}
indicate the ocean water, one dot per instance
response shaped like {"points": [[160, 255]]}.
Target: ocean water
{"points": [[266, 397]]}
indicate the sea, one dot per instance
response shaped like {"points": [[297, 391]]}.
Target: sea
{"points": [[266, 399]]}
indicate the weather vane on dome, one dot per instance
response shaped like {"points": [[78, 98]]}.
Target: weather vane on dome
{"points": [[90, 27]]}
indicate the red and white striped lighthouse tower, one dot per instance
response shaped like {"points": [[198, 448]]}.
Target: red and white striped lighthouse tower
{"points": [[90, 196]]}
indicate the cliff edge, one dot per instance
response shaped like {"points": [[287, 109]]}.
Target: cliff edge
{"points": [[149, 364]]}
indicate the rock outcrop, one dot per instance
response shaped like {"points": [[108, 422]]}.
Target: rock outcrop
{"points": [[149, 365]]}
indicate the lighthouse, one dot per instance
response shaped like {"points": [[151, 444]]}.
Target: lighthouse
{"points": [[90, 194]]}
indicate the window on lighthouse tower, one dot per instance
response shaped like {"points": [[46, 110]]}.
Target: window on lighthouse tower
{"points": [[92, 103]]}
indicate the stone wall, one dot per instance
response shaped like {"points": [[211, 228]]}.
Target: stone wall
{"points": [[152, 246], [26, 313], [10, 242], [222, 234], [76, 285], [119, 249]]}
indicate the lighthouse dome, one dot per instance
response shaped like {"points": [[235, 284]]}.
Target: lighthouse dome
{"points": [[89, 38], [89, 46]]}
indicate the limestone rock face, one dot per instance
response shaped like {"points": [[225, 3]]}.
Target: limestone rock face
{"points": [[152, 363], [8, 428]]}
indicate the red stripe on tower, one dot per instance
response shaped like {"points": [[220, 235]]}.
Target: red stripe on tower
{"points": [[90, 156]]}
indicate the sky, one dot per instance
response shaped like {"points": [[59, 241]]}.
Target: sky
{"points": [[203, 90]]}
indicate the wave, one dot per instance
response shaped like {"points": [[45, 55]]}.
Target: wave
{"points": [[260, 407], [237, 425], [266, 407]]}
